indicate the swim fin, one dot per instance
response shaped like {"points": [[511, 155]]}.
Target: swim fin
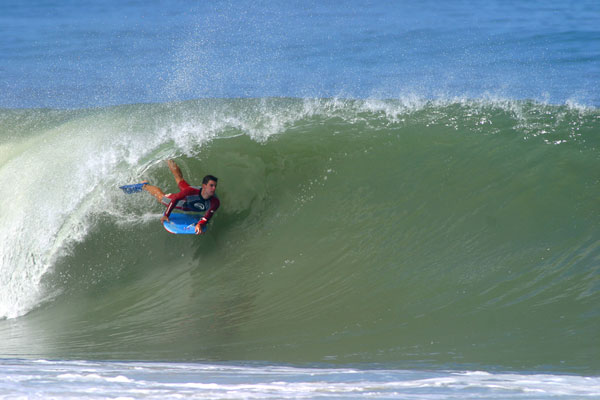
{"points": [[136, 187]]}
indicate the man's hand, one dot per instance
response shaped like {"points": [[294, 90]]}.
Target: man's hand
{"points": [[199, 228], [164, 218]]}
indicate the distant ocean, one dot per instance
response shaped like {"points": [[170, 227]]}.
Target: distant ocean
{"points": [[410, 200]]}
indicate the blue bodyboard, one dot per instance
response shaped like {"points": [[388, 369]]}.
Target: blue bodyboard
{"points": [[182, 224]]}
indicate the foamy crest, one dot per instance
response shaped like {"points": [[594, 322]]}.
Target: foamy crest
{"points": [[47, 182], [54, 185]]}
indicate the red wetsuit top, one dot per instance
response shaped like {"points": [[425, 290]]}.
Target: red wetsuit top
{"points": [[190, 199]]}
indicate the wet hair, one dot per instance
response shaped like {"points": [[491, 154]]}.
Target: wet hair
{"points": [[209, 178]]}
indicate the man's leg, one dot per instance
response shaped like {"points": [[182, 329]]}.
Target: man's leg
{"points": [[154, 191], [175, 170]]}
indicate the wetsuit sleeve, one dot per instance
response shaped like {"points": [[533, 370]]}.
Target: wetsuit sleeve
{"points": [[214, 206]]}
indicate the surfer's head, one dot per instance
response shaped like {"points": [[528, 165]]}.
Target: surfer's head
{"points": [[209, 185], [209, 178]]}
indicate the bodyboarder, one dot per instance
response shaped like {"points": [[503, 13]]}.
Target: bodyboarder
{"points": [[189, 198]]}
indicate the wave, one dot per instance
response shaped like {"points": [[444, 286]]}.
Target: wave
{"points": [[453, 230]]}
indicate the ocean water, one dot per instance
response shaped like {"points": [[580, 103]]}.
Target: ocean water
{"points": [[409, 200]]}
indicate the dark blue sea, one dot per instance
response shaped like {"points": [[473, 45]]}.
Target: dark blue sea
{"points": [[88, 54], [409, 199]]}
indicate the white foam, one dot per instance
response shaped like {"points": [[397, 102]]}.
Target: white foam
{"points": [[54, 185], [139, 380]]}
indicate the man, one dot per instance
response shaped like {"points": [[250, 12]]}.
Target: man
{"points": [[189, 198]]}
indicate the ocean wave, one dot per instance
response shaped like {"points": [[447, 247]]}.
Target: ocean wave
{"points": [[458, 230]]}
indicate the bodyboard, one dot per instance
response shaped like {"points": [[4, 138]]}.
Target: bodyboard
{"points": [[182, 224]]}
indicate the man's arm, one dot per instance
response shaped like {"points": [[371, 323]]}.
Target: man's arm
{"points": [[214, 206]]}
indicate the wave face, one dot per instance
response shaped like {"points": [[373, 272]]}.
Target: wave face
{"points": [[400, 231]]}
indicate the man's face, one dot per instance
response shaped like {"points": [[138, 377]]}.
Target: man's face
{"points": [[208, 189]]}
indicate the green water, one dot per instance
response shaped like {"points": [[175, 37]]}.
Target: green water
{"points": [[434, 233]]}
